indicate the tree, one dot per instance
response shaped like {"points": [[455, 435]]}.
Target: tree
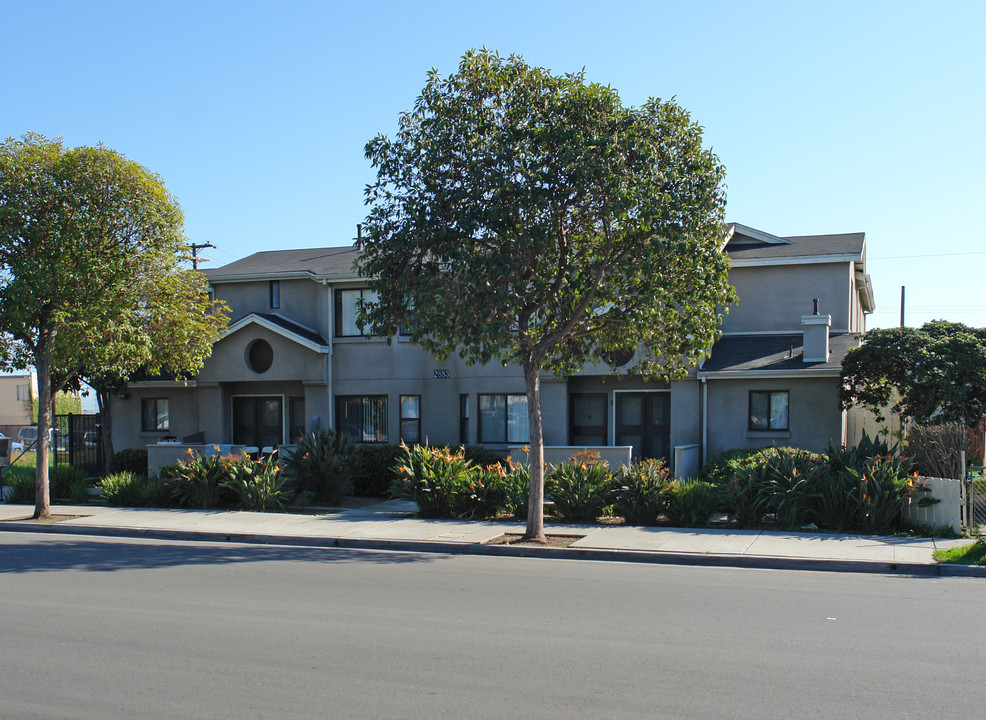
{"points": [[91, 244], [531, 218], [937, 371]]}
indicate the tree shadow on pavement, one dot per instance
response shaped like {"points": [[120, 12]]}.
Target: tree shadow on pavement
{"points": [[63, 553]]}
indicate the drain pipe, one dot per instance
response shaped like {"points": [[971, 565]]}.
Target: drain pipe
{"points": [[705, 421]]}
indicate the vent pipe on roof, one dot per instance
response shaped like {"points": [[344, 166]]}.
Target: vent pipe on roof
{"points": [[815, 331], [359, 236]]}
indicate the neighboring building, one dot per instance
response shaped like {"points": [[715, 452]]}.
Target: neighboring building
{"points": [[16, 391], [294, 357]]}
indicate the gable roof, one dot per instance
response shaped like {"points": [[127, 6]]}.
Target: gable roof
{"points": [[315, 263], [763, 354], [282, 326], [843, 246]]}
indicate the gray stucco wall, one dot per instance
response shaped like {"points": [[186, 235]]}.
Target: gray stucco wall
{"points": [[815, 418], [304, 301], [773, 298], [291, 361]]}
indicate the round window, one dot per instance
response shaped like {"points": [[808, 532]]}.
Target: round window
{"points": [[260, 356]]}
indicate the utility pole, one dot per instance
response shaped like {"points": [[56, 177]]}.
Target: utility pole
{"points": [[902, 306], [195, 253]]}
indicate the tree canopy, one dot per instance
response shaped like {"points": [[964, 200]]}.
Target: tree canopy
{"points": [[525, 217], [935, 372], [92, 280]]}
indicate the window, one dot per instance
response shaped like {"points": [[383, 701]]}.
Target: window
{"points": [[154, 415], [260, 356], [296, 418], [363, 417], [23, 393], [464, 419], [275, 294], [411, 418], [347, 304], [503, 418], [769, 409]]}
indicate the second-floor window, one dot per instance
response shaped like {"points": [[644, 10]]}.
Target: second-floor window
{"points": [[347, 303], [275, 294]]}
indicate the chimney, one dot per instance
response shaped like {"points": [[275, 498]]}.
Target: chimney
{"points": [[816, 336]]}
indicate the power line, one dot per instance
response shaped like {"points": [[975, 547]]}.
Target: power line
{"points": [[901, 257]]}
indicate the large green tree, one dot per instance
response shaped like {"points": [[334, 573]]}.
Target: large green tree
{"points": [[525, 217], [935, 372], [91, 246]]}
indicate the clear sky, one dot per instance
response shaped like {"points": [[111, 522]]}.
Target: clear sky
{"points": [[830, 117]]}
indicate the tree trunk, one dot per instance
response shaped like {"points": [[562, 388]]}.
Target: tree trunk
{"points": [[535, 500], [106, 426], [42, 362]]}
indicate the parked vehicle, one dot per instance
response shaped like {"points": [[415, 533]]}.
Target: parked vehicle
{"points": [[14, 444], [29, 434]]}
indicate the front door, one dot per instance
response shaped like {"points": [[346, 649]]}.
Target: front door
{"points": [[643, 420], [258, 421]]}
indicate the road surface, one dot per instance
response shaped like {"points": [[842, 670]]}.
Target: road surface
{"points": [[117, 628]]}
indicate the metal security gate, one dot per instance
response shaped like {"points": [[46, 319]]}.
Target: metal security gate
{"points": [[976, 498], [78, 440]]}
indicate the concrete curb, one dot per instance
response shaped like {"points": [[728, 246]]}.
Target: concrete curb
{"points": [[760, 562]]}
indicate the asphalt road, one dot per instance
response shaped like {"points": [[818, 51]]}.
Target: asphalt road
{"points": [[104, 628]]}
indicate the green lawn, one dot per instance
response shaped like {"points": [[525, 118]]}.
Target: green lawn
{"points": [[972, 554]]}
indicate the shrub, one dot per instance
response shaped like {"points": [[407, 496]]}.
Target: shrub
{"points": [[258, 485], [20, 480], [790, 489], [879, 493], [322, 465], [484, 457], [691, 503], [434, 477], [517, 489], [935, 449], [727, 464], [744, 497], [62, 480], [374, 469], [835, 507], [198, 481], [640, 491], [484, 494], [579, 490], [126, 489], [132, 460]]}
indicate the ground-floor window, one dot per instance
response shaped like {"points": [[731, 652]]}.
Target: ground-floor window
{"points": [[411, 418], [464, 419], [769, 409], [503, 419], [362, 417], [296, 418], [154, 415], [588, 419]]}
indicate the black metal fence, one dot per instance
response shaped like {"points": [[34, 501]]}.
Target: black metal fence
{"points": [[78, 440]]}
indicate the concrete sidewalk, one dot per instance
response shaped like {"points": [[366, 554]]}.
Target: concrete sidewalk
{"points": [[387, 526]]}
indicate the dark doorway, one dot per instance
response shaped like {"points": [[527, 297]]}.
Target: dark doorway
{"points": [[258, 421], [587, 419], [643, 420]]}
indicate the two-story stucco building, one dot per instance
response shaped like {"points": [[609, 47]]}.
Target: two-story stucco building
{"points": [[294, 357]]}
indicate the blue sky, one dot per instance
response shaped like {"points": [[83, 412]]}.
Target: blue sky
{"points": [[829, 117]]}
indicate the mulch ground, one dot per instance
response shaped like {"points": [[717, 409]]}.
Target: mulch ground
{"points": [[517, 539]]}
